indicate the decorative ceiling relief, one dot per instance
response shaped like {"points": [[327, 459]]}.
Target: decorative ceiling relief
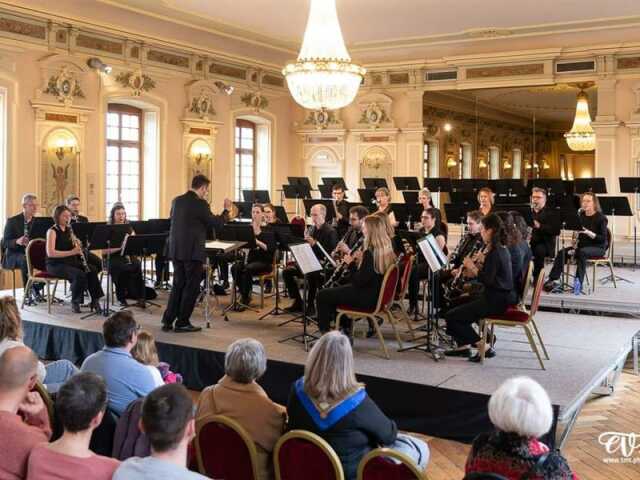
{"points": [[137, 81], [375, 111], [64, 86], [321, 119], [255, 100]]}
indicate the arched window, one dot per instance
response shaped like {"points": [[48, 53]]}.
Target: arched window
{"points": [[124, 158], [245, 153]]}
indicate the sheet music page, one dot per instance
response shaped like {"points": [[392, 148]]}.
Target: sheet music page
{"points": [[305, 258], [429, 255], [437, 250], [225, 246]]}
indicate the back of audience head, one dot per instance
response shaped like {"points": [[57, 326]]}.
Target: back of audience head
{"points": [[245, 360], [167, 418], [329, 373], [120, 330], [10, 322], [521, 224], [145, 350], [81, 402], [521, 406], [18, 370]]}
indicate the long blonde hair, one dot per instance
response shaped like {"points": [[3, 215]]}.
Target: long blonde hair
{"points": [[329, 375], [10, 321], [145, 351], [377, 240]]}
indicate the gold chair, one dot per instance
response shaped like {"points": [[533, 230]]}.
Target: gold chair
{"points": [[606, 260], [302, 454], [36, 265], [377, 464], [406, 267], [526, 286], [272, 275], [381, 310], [515, 317]]}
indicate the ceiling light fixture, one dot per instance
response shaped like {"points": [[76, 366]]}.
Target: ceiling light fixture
{"points": [[226, 88], [581, 137], [323, 77]]}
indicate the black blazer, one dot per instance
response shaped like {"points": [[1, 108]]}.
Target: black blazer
{"points": [[12, 252], [190, 220], [546, 233], [80, 219]]}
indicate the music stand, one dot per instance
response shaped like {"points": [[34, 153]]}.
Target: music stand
{"points": [[615, 207], [283, 234], [414, 212], [439, 185], [256, 196], [406, 183], [553, 186], [632, 185], [141, 227], [39, 227], [326, 191], [144, 245], [410, 197], [161, 225], [243, 234], [331, 181], [462, 185], [375, 183], [281, 214], [308, 263], [401, 213], [84, 231], [367, 197], [570, 221], [106, 237], [594, 185], [509, 187], [296, 191]]}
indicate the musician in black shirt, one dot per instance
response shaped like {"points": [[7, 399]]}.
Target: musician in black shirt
{"points": [[270, 217], [342, 209], [320, 233], [64, 260], [592, 242], [357, 215], [495, 275], [259, 259], [543, 232], [424, 199]]}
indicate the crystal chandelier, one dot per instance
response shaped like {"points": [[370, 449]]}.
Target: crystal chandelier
{"points": [[581, 137], [323, 77]]}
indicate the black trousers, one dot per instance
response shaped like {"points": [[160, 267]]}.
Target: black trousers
{"points": [[540, 252], [419, 272], [460, 319], [330, 298], [79, 279], [127, 277], [313, 282], [162, 269], [243, 275], [187, 276], [581, 255]]}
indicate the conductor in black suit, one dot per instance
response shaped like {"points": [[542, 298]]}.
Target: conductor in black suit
{"points": [[190, 220]]}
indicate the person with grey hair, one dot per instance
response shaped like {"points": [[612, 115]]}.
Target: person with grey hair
{"points": [[238, 396], [17, 232], [521, 412], [330, 402]]}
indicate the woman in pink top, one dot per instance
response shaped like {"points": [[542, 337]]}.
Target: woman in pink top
{"points": [[80, 405]]}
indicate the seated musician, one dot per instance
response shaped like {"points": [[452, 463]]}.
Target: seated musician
{"points": [[420, 269], [591, 243], [64, 260], [373, 260], [543, 233], [320, 233], [512, 242], [259, 260], [485, 201], [357, 215], [342, 209], [383, 199], [270, 217], [498, 293], [424, 199], [125, 271], [73, 202], [14, 243]]}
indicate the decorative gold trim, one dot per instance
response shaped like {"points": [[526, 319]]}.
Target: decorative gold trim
{"points": [[628, 62], [506, 71], [311, 438]]}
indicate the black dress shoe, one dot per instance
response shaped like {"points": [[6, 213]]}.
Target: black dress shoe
{"points": [[123, 302], [186, 328], [95, 306], [465, 352], [75, 307], [167, 328], [488, 354], [295, 307], [550, 285]]}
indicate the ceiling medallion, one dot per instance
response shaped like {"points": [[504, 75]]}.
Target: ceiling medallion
{"points": [[323, 77]]}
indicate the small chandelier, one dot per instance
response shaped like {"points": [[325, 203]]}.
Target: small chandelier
{"points": [[323, 77], [581, 137]]}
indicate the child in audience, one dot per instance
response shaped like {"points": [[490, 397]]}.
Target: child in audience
{"points": [[146, 352]]}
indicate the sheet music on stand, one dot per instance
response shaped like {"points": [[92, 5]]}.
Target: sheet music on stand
{"points": [[305, 258], [432, 253]]}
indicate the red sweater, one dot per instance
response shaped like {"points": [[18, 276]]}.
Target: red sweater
{"points": [[17, 438], [45, 464]]}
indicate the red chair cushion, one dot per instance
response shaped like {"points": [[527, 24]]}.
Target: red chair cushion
{"points": [[224, 453], [381, 468], [300, 459], [43, 275], [390, 288], [38, 255], [512, 316]]}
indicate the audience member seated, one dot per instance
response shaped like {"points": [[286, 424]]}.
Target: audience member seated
{"points": [[238, 396], [126, 378], [55, 373], [146, 353], [24, 420], [521, 412], [80, 406], [330, 402], [167, 420]]}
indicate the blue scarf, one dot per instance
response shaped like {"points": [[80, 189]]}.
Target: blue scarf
{"points": [[336, 414]]}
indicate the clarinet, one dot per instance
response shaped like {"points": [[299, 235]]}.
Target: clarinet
{"points": [[342, 270], [26, 230], [77, 243]]}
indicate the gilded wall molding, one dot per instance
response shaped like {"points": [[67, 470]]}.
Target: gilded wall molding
{"points": [[505, 71]]}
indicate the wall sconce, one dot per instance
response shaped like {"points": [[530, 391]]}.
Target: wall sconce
{"points": [[99, 65], [63, 146], [447, 127], [225, 87], [482, 163], [451, 161], [200, 151]]}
